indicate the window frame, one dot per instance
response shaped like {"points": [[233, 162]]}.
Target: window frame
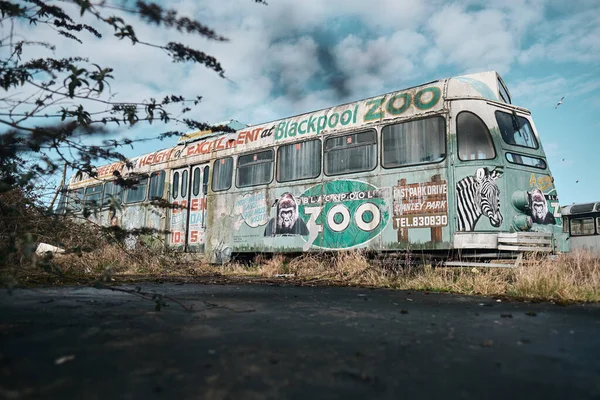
{"points": [[341, 135], [174, 192], [61, 205], [595, 232], [321, 154], [85, 195], [195, 181], [230, 175], [164, 179], [488, 132], [237, 166], [125, 191], [506, 154], [185, 183], [112, 182], [205, 173], [537, 142], [502, 89], [413, 120]]}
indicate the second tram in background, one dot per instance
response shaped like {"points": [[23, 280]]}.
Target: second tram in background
{"points": [[582, 223]]}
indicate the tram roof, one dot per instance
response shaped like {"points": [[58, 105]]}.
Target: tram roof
{"points": [[582, 208]]}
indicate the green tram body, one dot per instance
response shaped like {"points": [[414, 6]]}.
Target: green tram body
{"points": [[448, 165]]}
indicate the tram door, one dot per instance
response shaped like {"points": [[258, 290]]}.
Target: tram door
{"points": [[478, 170], [197, 208], [189, 187]]}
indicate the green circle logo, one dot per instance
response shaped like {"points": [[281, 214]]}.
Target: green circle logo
{"points": [[343, 214]]}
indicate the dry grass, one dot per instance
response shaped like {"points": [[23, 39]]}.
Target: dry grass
{"points": [[119, 261], [109, 261], [565, 278], [574, 276]]}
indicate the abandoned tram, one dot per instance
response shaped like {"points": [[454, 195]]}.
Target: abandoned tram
{"points": [[448, 166]]}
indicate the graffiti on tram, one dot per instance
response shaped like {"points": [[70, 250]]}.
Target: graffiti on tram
{"points": [[179, 217]]}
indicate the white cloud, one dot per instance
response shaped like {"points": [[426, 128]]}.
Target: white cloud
{"points": [[297, 56], [547, 91], [372, 65], [574, 37], [274, 59], [478, 40], [539, 91], [294, 63]]}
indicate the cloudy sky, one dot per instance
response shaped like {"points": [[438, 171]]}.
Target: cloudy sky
{"points": [[297, 56]]}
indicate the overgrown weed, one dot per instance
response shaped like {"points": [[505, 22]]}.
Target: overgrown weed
{"points": [[567, 277]]}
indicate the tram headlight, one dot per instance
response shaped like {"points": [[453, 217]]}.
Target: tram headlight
{"points": [[520, 200], [522, 222]]}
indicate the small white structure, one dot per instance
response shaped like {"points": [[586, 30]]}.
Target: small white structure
{"points": [[44, 248]]}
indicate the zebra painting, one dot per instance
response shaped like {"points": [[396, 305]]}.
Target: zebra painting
{"points": [[476, 196]]}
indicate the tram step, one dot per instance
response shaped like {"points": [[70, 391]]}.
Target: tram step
{"points": [[526, 241], [477, 264]]}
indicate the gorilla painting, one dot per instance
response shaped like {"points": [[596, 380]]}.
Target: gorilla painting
{"points": [[539, 208], [286, 222]]}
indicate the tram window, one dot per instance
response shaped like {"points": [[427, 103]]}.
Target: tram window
{"points": [[196, 181], [503, 92], [137, 192], [62, 202], [112, 192], [582, 226], [184, 183], [299, 161], [474, 139], [254, 169], [205, 181], [526, 160], [93, 195], [598, 225], [175, 188], [157, 185], [414, 142], [516, 130], [75, 198], [222, 172], [351, 153]]}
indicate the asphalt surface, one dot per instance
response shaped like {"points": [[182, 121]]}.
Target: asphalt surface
{"points": [[255, 342]]}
